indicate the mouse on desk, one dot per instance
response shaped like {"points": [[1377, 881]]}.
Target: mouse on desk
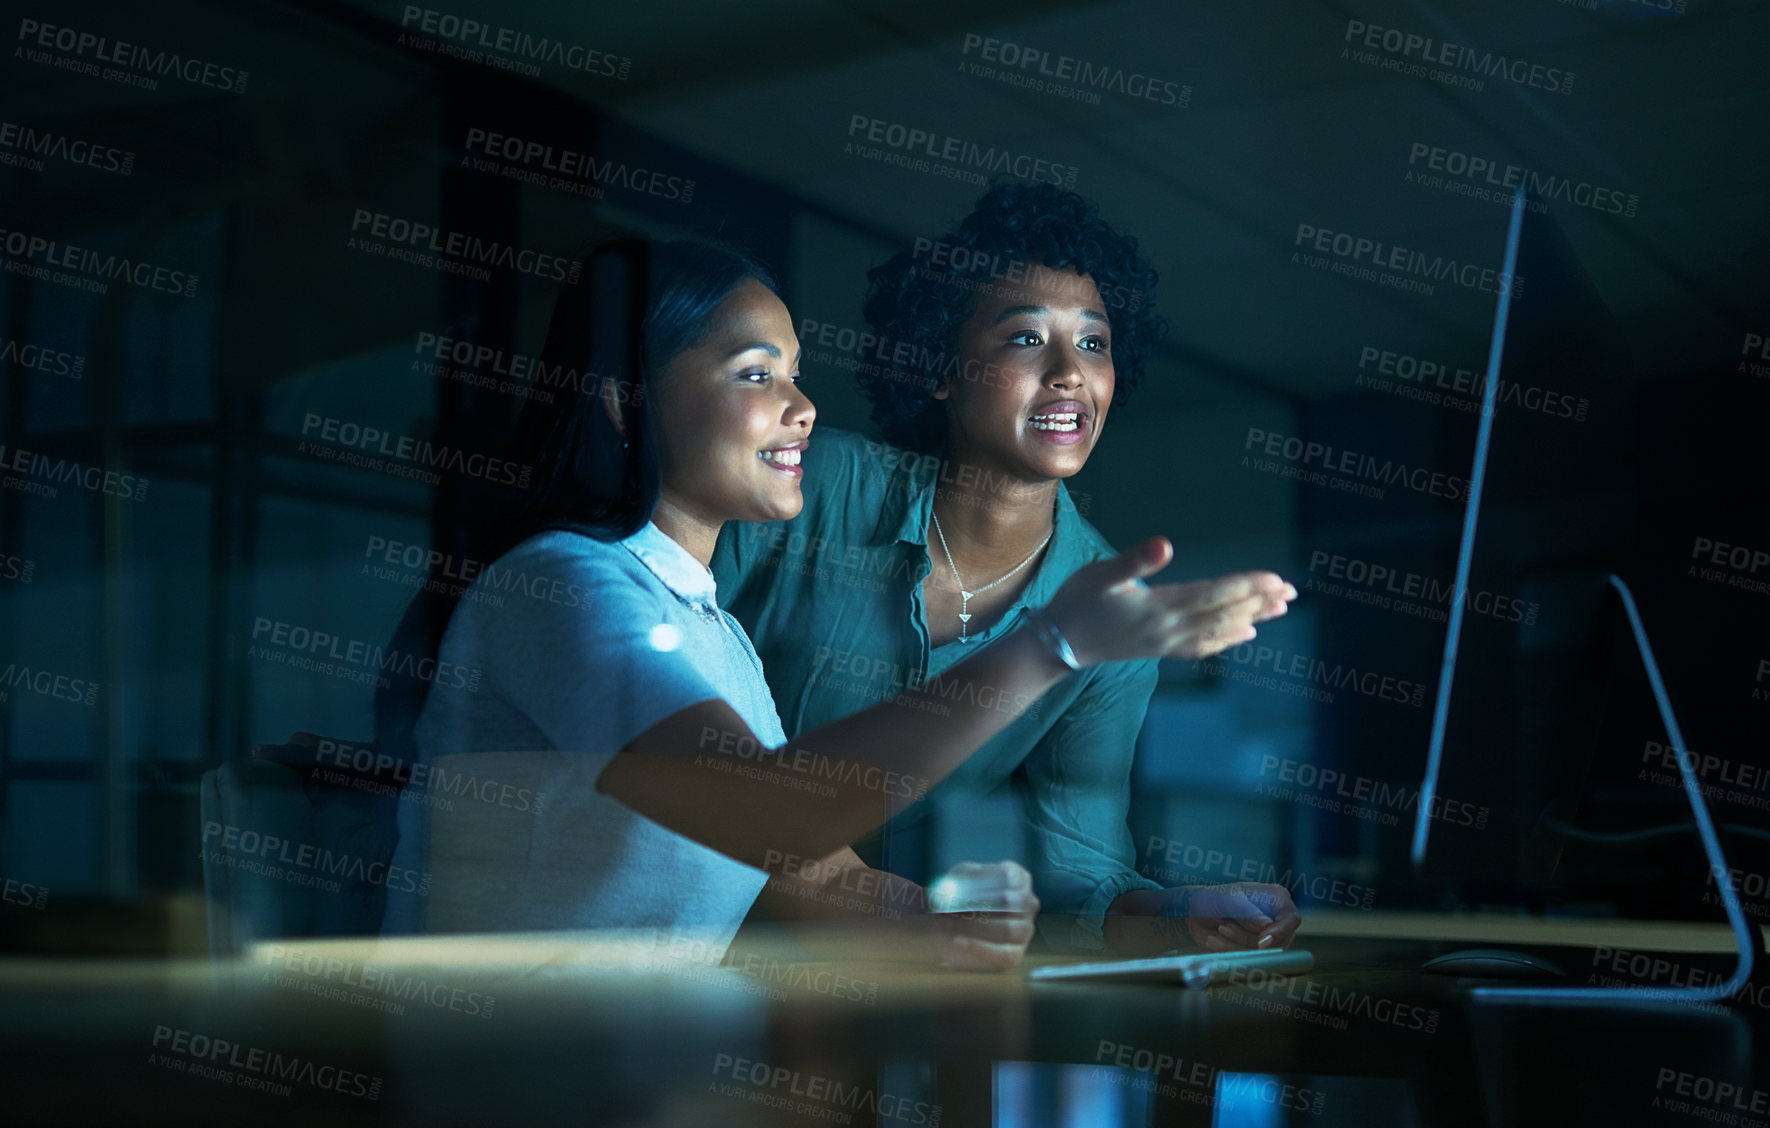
{"points": [[1492, 963]]}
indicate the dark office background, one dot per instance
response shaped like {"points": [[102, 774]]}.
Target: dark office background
{"points": [[1646, 301]]}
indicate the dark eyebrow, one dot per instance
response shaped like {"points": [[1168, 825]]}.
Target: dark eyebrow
{"points": [[771, 350], [1040, 311], [1016, 311]]}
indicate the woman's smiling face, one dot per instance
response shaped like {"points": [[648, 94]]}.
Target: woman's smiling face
{"points": [[1035, 380], [731, 420]]}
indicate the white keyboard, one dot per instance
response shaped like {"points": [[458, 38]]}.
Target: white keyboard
{"points": [[1199, 970]]}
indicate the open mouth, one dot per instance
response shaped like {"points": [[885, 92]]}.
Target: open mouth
{"points": [[785, 459], [1059, 419]]}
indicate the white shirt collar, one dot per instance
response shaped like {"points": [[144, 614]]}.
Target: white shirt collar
{"points": [[672, 564]]}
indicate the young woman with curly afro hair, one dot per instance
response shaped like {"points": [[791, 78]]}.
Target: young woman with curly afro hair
{"points": [[1000, 350]]}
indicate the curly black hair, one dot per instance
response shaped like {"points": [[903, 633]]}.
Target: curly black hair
{"points": [[917, 301]]}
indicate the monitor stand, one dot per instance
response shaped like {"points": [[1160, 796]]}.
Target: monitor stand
{"points": [[1745, 936]]}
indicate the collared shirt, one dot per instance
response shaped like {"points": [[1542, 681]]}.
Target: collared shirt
{"points": [[559, 654], [833, 599]]}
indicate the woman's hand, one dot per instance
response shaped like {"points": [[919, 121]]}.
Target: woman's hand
{"points": [[1107, 613], [981, 916], [1233, 917]]}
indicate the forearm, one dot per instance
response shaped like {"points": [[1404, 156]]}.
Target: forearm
{"points": [[925, 733], [806, 801], [839, 888], [1136, 924], [838, 907]]}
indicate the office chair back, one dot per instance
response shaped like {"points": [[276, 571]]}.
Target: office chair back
{"points": [[293, 848]]}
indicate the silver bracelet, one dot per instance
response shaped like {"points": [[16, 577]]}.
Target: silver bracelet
{"points": [[1053, 639]]}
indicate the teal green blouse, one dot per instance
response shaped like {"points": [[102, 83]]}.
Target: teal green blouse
{"points": [[833, 602]]}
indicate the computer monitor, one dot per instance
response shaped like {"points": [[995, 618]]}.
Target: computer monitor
{"points": [[1581, 575]]}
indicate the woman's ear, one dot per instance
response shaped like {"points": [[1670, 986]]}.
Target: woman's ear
{"points": [[942, 390]]}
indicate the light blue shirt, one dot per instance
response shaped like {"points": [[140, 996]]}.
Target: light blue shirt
{"points": [[583, 645]]}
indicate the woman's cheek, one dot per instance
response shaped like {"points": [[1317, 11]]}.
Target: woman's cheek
{"points": [[728, 424]]}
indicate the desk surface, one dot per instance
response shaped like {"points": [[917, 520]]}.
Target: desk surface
{"points": [[600, 1030]]}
